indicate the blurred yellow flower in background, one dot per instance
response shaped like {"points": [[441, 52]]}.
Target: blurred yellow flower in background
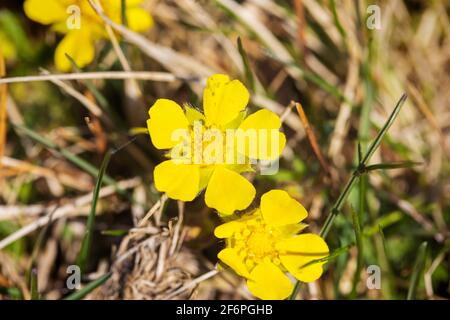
{"points": [[82, 26], [263, 245], [213, 162]]}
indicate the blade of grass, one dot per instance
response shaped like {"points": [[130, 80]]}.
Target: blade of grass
{"points": [[382, 222], [80, 294], [34, 285], [3, 97], [83, 255], [336, 253], [336, 19], [387, 287], [98, 96], [248, 71], [376, 143], [312, 137], [393, 165], [314, 78], [115, 233], [419, 265], [79, 162], [357, 218]]}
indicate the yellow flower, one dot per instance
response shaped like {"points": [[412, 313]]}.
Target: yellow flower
{"points": [[263, 245], [82, 26], [210, 150]]}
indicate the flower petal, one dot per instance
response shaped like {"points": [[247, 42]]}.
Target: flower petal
{"points": [[45, 11], [279, 209], [268, 282], [178, 181], [79, 45], [166, 117], [300, 250], [261, 119], [227, 229], [228, 191], [223, 99], [260, 137], [231, 258], [138, 19]]}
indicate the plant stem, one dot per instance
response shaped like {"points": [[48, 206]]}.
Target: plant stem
{"points": [[355, 177]]}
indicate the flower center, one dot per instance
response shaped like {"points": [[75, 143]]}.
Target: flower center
{"points": [[260, 244], [256, 243], [206, 145]]}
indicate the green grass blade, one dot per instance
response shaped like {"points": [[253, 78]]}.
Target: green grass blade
{"points": [[357, 218], [80, 294], [393, 165], [76, 160], [336, 253], [419, 265], [34, 284], [387, 280], [90, 85], [336, 19], [376, 143], [114, 233], [248, 71], [83, 255]]}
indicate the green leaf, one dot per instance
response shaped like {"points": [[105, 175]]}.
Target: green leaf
{"points": [[83, 255], [114, 233], [336, 19], [34, 284], [80, 294], [336, 253], [419, 265], [392, 165]]}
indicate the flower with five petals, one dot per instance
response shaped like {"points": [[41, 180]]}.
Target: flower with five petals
{"points": [[264, 245], [221, 144]]}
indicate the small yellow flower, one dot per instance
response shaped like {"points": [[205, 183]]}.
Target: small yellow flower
{"points": [[263, 245], [214, 157], [82, 26]]}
